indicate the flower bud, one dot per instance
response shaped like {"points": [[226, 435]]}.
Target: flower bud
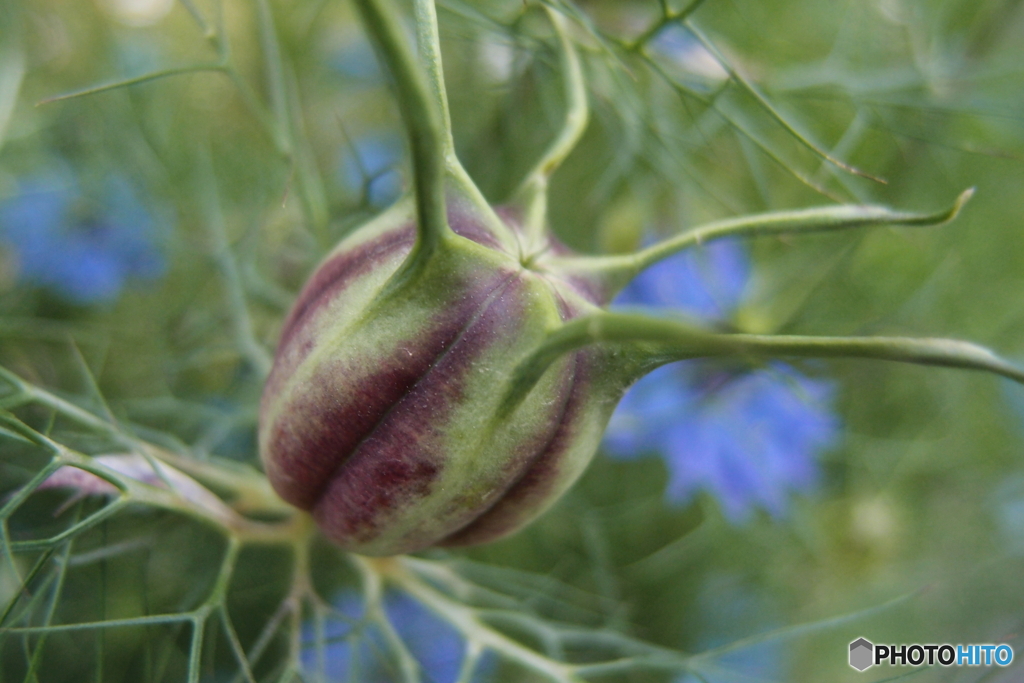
{"points": [[382, 416]]}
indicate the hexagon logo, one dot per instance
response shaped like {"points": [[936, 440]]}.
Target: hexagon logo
{"points": [[861, 651]]}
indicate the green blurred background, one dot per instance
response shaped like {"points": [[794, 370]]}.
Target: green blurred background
{"points": [[922, 500]]}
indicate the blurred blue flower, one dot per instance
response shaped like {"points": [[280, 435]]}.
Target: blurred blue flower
{"points": [[372, 164], [356, 61], [82, 248], [1014, 394], [706, 282], [749, 437], [730, 610], [680, 47], [1007, 506], [356, 649]]}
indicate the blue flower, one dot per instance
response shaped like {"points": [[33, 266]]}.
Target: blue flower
{"points": [[707, 282], [372, 166], [82, 248], [356, 650], [747, 436]]}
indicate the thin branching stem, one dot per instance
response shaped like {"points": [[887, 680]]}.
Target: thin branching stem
{"points": [[51, 611], [210, 510], [639, 47], [238, 306], [32, 602], [770, 108], [470, 662], [68, 534], [196, 648], [790, 633], [245, 91], [251, 492], [533, 192], [287, 121], [154, 620], [137, 80], [667, 17], [236, 645], [615, 272], [207, 29], [373, 595], [653, 342], [464, 619]]}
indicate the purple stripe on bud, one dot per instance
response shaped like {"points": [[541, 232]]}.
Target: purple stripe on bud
{"points": [[339, 407], [331, 278], [531, 492]]}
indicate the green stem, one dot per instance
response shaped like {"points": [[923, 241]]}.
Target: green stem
{"points": [[208, 31], [275, 71], [429, 44], [654, 342], [766, 104], [137, 80], [306, 170], [373, 595], [287, 121], [250, 491], [615, 272], [424, 124], [399, 571], [218, 515], [238, 306], [532, 194], [667, 17], [266, 120], [13, 66]]}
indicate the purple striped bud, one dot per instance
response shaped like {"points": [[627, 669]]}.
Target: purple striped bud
{"points": [[381, 415]]}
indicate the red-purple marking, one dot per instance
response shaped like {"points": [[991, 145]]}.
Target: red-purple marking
{"points": [[537, 477], [358, 444], [533, 487], [338, 272], [396, 464]]}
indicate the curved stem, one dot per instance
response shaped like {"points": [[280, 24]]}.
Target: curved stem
{"points": [[249, 490], [532, 193], [770, 108], [654, 342], [615, 272], [424, 123], [208, 509]]}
